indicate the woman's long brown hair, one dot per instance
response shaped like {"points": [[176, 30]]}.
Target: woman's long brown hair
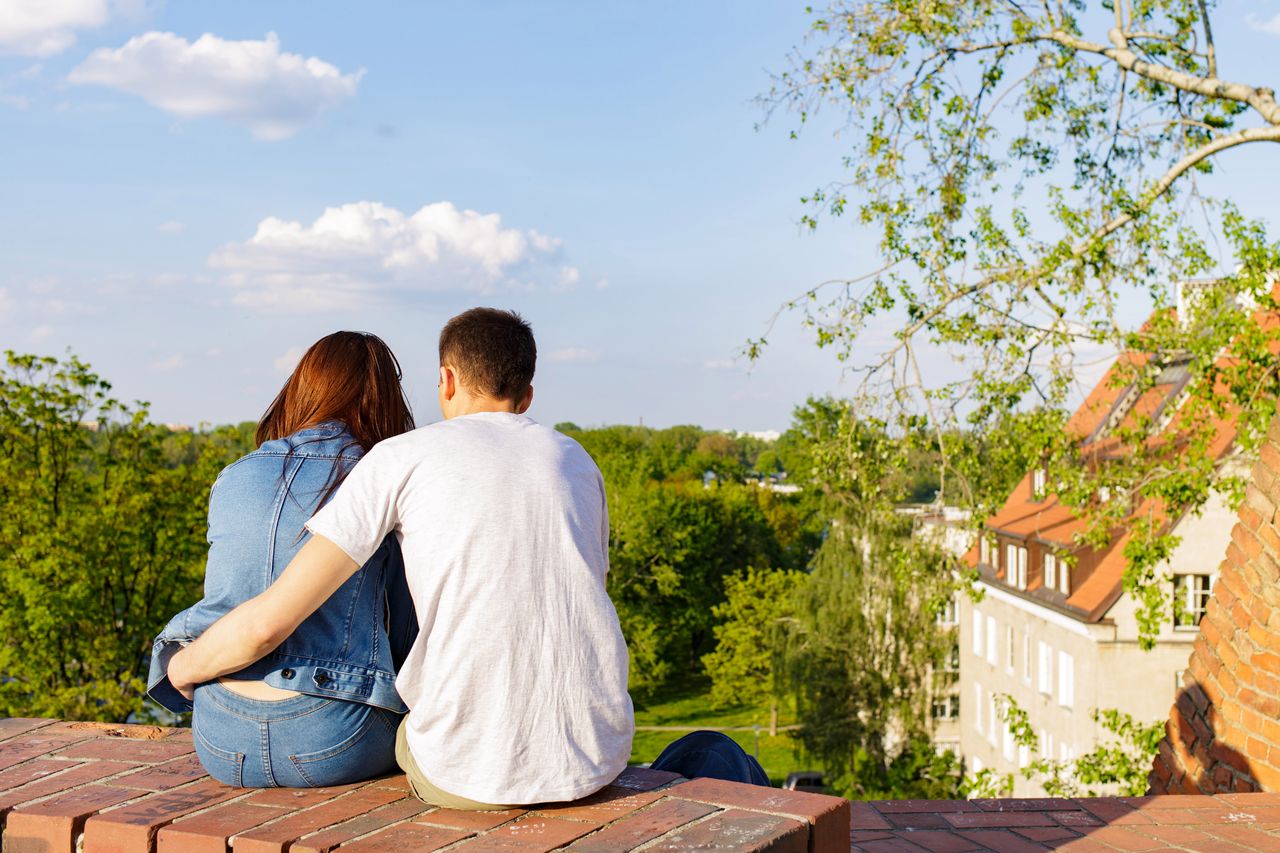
{"points": [[352, 377]]}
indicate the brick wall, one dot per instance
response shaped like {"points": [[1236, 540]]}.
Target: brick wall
{"points": [[1223, 733], [95, 788]]}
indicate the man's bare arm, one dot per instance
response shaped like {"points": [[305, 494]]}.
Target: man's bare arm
{"points": [[262, 623]]}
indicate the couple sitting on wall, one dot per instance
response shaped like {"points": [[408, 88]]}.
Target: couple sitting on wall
{"points": [[447, 612]]}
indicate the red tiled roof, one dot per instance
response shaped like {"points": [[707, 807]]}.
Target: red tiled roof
{"points": [[1106, 410]]}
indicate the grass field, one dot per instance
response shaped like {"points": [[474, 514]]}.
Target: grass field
{"points": [[687, 705]]}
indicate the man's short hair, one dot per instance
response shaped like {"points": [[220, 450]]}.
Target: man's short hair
{"points": [[492, 350]]}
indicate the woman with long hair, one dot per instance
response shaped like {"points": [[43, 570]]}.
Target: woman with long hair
{"points": [[322, 708]]}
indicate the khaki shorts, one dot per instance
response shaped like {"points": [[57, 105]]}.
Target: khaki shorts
{"points": [[422, 787]]}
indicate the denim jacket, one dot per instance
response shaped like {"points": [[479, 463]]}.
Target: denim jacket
{"points": [[351, 645]]}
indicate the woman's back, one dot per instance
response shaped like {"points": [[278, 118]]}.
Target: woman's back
{"points": [[349, 647]]}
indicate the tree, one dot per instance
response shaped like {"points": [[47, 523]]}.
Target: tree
{"points": [[1032, 171], [756, 604], [102, 538], [672, 547], [858, 653]]}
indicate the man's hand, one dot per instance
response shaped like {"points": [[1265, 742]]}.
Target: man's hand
{"points": [[177, 676], [263, 622]]}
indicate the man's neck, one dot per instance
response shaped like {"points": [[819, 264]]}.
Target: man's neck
{"points": [[474, 405]]}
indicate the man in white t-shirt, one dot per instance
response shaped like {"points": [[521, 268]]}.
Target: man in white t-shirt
{"points": [[517, 683]]}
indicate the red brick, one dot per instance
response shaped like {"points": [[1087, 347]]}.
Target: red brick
{"points": [[208, 831], [864, 816], [160, 777], [30, 771], [644, 779], [892, 844], [1171, 801], [133, 827], [828, 816], [77, 775], [326, 840], [276, 837], [895, 806], [918, 820], [127, 749], [401, 838], [40, 742], [1180, 835], [1047, 833], [941, 842], [975, 820], [475, 821], [13, 726], [735, 829], [643, 826], [530, 832], [298, 798], [1005, 842], [53, 824], [1126, 838], [1040, 804], [603, 806]]}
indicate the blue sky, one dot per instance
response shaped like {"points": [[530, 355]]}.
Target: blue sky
{"points": [[174, 232]]}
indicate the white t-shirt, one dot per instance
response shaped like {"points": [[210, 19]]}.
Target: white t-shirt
{"points": [[517, 683]]}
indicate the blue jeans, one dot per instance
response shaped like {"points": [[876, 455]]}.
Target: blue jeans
{"points": [[712, 755], [300, 742]]}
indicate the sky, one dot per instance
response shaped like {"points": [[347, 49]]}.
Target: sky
{"points": [[192, 193]]}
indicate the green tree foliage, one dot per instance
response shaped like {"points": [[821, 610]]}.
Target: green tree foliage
{"points": [[860, 650], [673, 546], [757, 604], [674, 542], [1120, 763], [1035, 175], [102, 537]]}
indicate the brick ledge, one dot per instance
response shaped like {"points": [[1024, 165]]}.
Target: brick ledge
{"points": [[136, 789]]}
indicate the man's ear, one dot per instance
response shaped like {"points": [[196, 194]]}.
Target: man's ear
{"points": [[525, 402], [448, 382]]}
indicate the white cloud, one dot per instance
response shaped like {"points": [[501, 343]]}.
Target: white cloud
{"points": [[40, 333], [6, 304], [719, 364], [1265, 25], [46, 27], [173, 226], [288, 360], [173, 362], [250, 83], [573, 354], [352, 254]]}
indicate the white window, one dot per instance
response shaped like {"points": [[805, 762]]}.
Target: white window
{"points": [[977, 764], [1008, 742], [979, 707], [992, 640], [1021, 581], [977, 632], [1066, 680], [1010, 656], [1190, 600], [1046, 744], [1010, 562], [1026, 657], [948, 614], [946, 707], [1046, 667], [1024, 755], [993, 728], [1064, 577], [1038, 480], [984, 549], [1050, 570]]}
